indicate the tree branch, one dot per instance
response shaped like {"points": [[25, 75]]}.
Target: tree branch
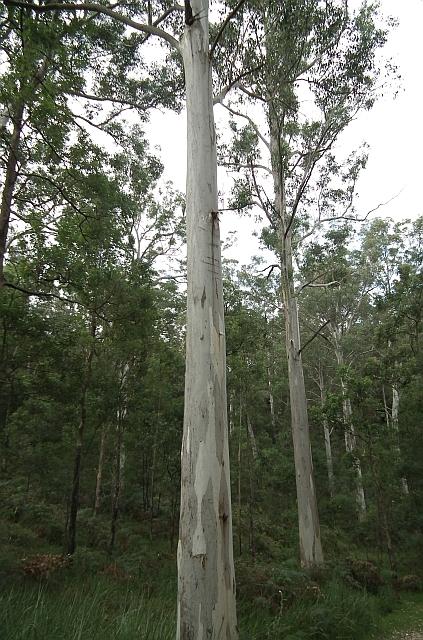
{"points": [[252, 123], [316, 333], [317, 285], [224, 24], [97, 8]]}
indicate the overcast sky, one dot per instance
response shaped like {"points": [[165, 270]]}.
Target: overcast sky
{"points": [[393, 129]]}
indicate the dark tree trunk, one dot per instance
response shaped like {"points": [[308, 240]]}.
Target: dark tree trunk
{"points": [[117, 486], [9, 182], [74, 500], [97, 500]]}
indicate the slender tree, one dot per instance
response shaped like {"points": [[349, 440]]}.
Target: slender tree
{"points": [[313, 50]]}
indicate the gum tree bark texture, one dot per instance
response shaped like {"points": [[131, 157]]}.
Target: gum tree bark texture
{"points": [[308, 516], [311, 553], [206, 579]]}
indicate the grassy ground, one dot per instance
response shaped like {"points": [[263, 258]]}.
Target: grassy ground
{"points": [[132, 594], [80, 603], [405, 621]]}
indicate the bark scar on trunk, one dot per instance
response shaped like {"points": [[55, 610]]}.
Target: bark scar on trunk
{"points": [[189, 17]]}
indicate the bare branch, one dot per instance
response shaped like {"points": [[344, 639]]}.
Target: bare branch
{"points": [[246, 166], [235, 83], [365, 217], [97, 8], [88, 96], [317, 285], [251, 94], [316, 333], [270, 268], [252, 123], [224, 24]]}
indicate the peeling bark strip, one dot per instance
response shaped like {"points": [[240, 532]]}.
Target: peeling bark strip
{"points": [[206, 579]]}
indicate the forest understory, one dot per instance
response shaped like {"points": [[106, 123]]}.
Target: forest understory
{"points": [[131, 592]]}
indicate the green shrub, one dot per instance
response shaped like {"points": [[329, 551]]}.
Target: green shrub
{"points": [[366, 574], [338, 613], [15, 533]]}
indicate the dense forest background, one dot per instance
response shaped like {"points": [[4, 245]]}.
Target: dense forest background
{"points": [[92, 349]]}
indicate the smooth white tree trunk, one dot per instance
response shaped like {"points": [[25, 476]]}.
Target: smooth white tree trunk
{"points": [[252, 437], [206, 578], [395, 426], [386, 408], [326, 430], [311, 553], [308, 517]]}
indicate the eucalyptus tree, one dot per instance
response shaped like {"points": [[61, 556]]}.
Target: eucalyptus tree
{"points": [[206, 600], [337, 310], [304, 52], [395, 251]]}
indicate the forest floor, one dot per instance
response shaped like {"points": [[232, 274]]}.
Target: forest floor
{"points": [[132, 592], [405, 622]]}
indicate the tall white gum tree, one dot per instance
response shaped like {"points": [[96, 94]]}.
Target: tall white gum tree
{"points": [[206, 578], [316, 53]]}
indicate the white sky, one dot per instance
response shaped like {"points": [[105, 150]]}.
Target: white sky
{"points": [[393, 129]]}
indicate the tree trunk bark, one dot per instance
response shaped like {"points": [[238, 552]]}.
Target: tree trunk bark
{"points": [[272, 405], [308, 516], [231, 414], [40, 69], [385, 406], [206, 577], [97, 501], [395, 427], [153, 466], [252, 437], [328, 445], [9, 182], [118, 483], [311, 553], [74, 501], [251, 501], [239, 479], [120, 454], [349, 431]]}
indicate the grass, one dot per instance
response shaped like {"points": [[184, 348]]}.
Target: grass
{"points": [[133, 594], [102, 607], [407, 617], [92, 608]]}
